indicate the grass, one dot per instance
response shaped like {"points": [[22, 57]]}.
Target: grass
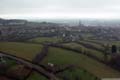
{"points": [[93, 45], [36, 76], [10, 62], [75, 46], [81, 48], [7, 64], [23, 50], [59, 56], [45, 39], [100, 42], [75, 74], [117, 43], [96, 53]]}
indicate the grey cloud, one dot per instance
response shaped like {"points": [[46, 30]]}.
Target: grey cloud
{"points": [[10, 7]]}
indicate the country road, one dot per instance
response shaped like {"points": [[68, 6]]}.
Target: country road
{"points": [[30, 65]]}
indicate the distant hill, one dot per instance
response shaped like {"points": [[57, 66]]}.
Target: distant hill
{"points": [[12, 22], [86, 22]]}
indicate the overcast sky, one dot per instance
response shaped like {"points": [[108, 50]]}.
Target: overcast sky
{"points": [[60, 9]]}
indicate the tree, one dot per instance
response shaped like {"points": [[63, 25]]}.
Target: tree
{"points": [[114, 49], [0, 32]]}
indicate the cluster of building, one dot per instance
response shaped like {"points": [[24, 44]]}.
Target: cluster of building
{"points": [[22, 30]]}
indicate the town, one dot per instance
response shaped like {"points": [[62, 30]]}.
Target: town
{"points": [[19, 30]]}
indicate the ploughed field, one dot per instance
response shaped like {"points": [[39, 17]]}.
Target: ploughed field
{"points": [[69, 61]]}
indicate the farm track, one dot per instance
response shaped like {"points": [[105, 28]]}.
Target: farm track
{"points": [[30, 65]]}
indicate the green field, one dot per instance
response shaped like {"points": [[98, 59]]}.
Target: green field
{"points": [[9, 63], [81, 48], [36, 76], [93, 45], [76, 74], [86, 67], [98, 42], [103, 43], [45, 39], [23, 50], [62, 57]]}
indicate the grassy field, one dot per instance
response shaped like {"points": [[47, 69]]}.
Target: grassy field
{"points": [[9, 64], [75, 46], [62, 57], [98, 42], [76, 74], [93, 45], [36, 76], [110, 43], [45, 39], [24, 50], [81, 48], [105, 42]]}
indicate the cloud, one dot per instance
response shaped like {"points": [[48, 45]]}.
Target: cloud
{"points": [[60, 8]]}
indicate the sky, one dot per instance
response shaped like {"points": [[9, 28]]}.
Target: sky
{"points": [[102, 9]]}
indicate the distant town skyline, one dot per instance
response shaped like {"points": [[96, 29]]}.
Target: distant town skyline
{"points": [[50, 9]]}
